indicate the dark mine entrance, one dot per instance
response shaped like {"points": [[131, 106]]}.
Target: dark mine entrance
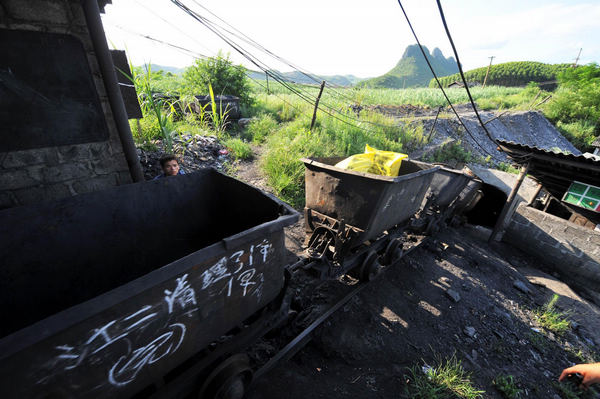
{"points": [[487, 210]]}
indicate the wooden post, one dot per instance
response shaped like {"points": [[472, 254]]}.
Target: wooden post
{"points": [[509, 202], [488, 70], [267, 75], [434, 122], [314, 118]]}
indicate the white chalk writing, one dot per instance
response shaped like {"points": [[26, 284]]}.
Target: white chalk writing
{"points": [[128, 331], [128, 366], [232, 270], [264, 249], [183, 294], [216, 272]]}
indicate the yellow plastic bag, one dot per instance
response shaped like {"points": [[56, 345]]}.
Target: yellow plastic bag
{"points": [[385, 163], [358, 162]]}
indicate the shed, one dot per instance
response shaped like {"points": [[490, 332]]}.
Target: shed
{"points": [[573, 179]]}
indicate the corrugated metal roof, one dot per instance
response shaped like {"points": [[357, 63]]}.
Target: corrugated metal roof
{"points": [[596, 142], [517, 151], [556, 171]]}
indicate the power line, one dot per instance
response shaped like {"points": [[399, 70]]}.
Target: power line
{"points": [[440, 85], [249, 40], [462, 75], [303, 95], [181, 49], [269, 71]]}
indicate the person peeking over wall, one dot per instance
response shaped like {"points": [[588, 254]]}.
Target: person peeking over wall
{"points": [[170, 166]]}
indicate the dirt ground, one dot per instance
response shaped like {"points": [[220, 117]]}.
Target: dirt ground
{"points": [[455, 295]]}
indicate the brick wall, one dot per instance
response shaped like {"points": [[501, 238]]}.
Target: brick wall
{"points": [[571, 250], [30, 176]]}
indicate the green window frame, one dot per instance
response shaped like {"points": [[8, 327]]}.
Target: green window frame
{"points": [[583, 195]]}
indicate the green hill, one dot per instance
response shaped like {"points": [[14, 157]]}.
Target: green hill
{"points": [[298, 77], [517, 73], [412, 70]]}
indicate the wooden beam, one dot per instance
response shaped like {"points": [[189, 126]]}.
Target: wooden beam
{"points": [[509, 203]]}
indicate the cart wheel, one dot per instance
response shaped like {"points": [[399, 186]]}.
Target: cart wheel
{"points": [[393, 252], [229, 380], [370, 267]]}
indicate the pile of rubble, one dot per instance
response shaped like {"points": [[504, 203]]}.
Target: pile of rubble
{"points": [[194, 153]]}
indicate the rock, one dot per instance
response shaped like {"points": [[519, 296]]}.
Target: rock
{"points": [[244, 122], [470, 331], [518, 284], [535, 356], [444, 281], [453, 295], [474, 354], [574, 325]]}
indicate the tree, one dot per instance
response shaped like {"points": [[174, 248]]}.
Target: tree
{"points": [[224, 77]]}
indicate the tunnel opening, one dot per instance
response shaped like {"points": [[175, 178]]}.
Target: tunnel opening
{"points": [[487, 210]]}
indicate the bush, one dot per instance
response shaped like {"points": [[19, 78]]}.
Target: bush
{"points": [[575, 107], [224, 77], [262, 127], [239, 148]]}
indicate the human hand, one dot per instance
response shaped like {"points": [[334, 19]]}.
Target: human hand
{"points": [[589, 372]]}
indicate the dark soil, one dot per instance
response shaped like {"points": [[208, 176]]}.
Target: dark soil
{"points": [[410, 317], [453, 296]]}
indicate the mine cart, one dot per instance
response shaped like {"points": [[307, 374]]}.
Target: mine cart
{"points": [[345, 209], [124, 292], [446, 187]]}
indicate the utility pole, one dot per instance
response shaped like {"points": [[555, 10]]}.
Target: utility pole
{"points": [[577, 59], [314, 118], [488, 70]]}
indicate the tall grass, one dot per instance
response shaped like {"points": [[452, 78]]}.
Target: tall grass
{"points": [[491, 96], [337, 135]]}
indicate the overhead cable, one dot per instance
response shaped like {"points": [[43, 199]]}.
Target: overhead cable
{"points": [[440, 85], [462, 75], [209, 25]]}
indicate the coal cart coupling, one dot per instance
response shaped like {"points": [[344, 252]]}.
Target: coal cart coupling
{"points": [[346, 209], [113, 294]]}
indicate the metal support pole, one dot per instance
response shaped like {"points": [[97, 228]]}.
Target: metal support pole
{"points": [[314, 118], [509, 203], [107, 69]]}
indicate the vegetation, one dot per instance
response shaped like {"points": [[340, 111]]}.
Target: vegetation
{"points": [[281, 121], [220, 73], [412, 70], [159, 110], [505, 384], [445, 380], [551, 318], [517, 73], [453, 151], [238, 148], [575, 106]]}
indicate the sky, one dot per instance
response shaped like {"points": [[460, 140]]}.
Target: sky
{"points": [[361, 38]]}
